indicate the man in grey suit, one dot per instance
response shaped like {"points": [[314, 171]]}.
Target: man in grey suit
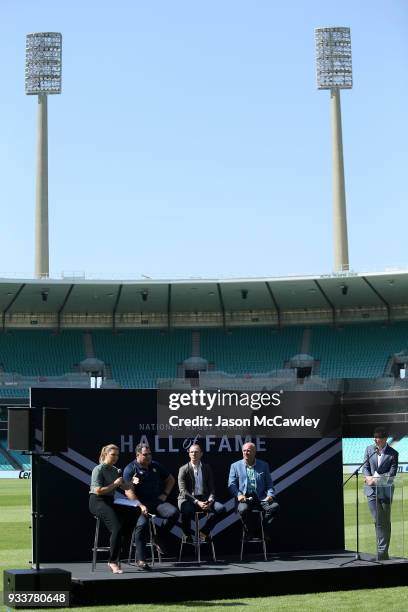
{"points": [[197, 493], [250, 482], [380, 467]]}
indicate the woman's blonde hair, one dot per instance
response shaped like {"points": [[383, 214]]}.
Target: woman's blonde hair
{"points": [[105, 450]]}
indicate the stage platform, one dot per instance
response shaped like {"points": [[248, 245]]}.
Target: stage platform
{"points": [[187, 581]]}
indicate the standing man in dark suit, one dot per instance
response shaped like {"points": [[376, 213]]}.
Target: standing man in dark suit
{"points": [[250, 482], [197, 493], [379, 469]]}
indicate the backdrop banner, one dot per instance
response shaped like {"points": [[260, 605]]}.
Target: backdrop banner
{"points": [[307, 473]]}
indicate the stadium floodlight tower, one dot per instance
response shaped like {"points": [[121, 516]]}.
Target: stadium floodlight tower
{"points": [[334, 72], [42, 77]]}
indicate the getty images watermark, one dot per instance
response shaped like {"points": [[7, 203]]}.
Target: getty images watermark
{"points": [[289, 414], [209, 399]]}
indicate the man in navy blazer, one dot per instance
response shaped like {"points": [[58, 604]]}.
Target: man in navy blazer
{"points": [[380, 467], [251, 484]]}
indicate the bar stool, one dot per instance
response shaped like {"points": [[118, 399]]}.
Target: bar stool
{"points": [[154, 548], [96, 548], [197, 542], [260, 540]]}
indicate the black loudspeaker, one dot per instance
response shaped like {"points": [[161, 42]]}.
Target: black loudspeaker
{"points": [[20, 429], [23, 423], [51, 579], [55, 430]]}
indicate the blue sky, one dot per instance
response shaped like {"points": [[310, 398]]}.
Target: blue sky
{"points": [[190, 139]]}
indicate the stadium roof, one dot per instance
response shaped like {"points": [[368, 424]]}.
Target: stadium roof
{"points": [[385, 294]]}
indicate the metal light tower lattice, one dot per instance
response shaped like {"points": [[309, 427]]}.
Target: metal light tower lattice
{"points": [[334, 72], [42, 77]]}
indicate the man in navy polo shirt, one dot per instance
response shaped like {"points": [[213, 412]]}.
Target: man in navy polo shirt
{"points": [[151, 484]]}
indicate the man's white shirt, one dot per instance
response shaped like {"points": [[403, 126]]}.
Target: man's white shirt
{"points": [[379, 460], [198, 479]]}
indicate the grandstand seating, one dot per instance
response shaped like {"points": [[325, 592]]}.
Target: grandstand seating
{"points": [[356, 351], [36, 353], [250, 350], [24, 461], [4, 464], [10, 392], [353, 449], [402, 448], [40, 353], [139, 358]]}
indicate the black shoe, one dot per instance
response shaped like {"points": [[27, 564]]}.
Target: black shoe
{"points": [[143, 566], [205, 537], [188, 539]]}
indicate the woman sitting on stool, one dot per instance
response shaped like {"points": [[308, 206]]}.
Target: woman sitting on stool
{"points": [[119, 520]]}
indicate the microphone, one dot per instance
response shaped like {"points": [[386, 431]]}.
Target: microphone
{"points": [[377, 450], [119, 476]]}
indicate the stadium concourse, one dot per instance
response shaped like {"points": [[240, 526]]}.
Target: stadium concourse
{"points": [[292, 333]]}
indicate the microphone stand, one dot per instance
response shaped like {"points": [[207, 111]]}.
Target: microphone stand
{"points": [[357, 556]]}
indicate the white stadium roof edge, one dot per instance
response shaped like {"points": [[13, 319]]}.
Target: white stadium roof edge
{"points": [[337, 298]]}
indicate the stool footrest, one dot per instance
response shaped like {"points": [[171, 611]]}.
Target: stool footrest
{"points": [[254, 540], [197, 541], [97, 549]]}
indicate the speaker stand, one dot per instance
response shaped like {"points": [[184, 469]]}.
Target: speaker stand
{"points": [[36, 511]]}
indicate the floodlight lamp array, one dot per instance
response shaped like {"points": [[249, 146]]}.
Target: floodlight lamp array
{"points": [[333, 58], [43, 63]]}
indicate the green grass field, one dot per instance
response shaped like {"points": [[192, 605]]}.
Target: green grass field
{"points": [[15, 552]]}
